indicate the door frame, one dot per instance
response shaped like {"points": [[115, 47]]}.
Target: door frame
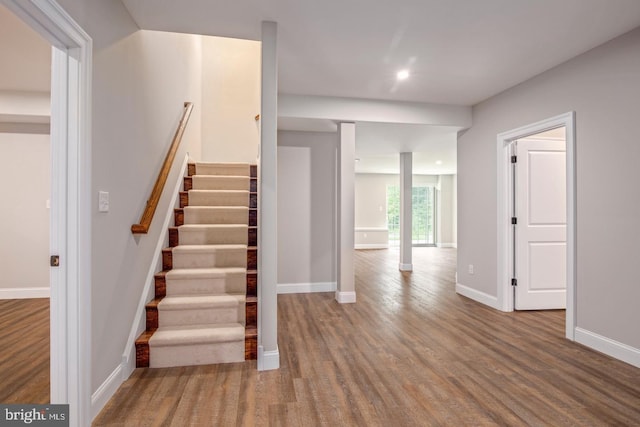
{"points": [[505, 203], [70, 217]]}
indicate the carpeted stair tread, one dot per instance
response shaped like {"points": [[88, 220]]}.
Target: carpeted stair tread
{"points": [[213, 234], [206, 281], [207, 248], [204, 168], [197, 334], [218, 198], [216, 214], [201, 309], [200, 301], [203, 256], [220, 182], [204, 273]]}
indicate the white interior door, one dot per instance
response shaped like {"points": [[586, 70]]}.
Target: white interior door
{"points": [[540, 244]]}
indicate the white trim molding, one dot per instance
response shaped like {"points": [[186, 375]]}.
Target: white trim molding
{"points": [[405, 267], [268, 360], [25, 293], [477, 295], [71, 205], [345, 297], [505, 201], [106, 390], [371, 246], [446, 245], [306, 288], [608, 346]]}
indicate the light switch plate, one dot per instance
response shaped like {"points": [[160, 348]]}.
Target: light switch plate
{"points": [[103, 201]]}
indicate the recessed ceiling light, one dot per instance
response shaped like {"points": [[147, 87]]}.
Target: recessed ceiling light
{"points": [[357, 160], [438, 162], [403, 74]]}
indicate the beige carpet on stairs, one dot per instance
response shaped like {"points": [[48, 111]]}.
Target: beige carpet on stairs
{"points": [[202, 318]]}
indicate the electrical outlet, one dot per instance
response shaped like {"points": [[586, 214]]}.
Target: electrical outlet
{"points": [[470, 268], [103, 201]]}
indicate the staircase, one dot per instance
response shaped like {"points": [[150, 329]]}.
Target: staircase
{"points": [[205, 305]]}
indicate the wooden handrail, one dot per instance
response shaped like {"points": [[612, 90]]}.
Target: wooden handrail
{"points": [[152, 203]]}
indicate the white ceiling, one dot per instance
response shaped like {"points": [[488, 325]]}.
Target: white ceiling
{"points": [[26, 56], [433, 148], [459, 51]]}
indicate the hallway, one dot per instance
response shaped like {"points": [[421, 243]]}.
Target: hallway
{"points": [[409, 352]]}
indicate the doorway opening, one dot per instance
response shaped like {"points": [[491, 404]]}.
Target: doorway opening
{"points": [[70, 211], [25, 85], [506, 238]]}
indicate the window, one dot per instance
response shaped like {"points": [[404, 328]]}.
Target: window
{"points": [[423, 215]]}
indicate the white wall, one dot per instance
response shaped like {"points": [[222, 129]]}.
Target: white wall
{"points": [[602, 86], [371, 199], [140, 81], [24, 217], [446, 211], [306, 210], [231, 99]]}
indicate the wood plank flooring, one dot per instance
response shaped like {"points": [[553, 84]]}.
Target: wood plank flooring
{"points": [[410, 352], [24, 351]]}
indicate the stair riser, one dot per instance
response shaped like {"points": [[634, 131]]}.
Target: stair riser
{"points": [[201, 316], [213, 236], [220, 183], [218, 259], [197, 354], [230, 285], [215, 216]]}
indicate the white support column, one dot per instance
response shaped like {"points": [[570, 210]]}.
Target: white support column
{"points": [[406, 187], [346, 292], [268, 354]]}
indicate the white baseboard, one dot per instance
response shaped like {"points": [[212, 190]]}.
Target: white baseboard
{"points": [[608, 346], [106, 391], [345, 297], [268, 360], [405, 267], [306, 288], [25, 293], [371, 246], [446, 245], [477, 295]]}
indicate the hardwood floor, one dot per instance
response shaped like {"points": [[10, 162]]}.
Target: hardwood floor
{"points": [[410, 352], [24, 351]]}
